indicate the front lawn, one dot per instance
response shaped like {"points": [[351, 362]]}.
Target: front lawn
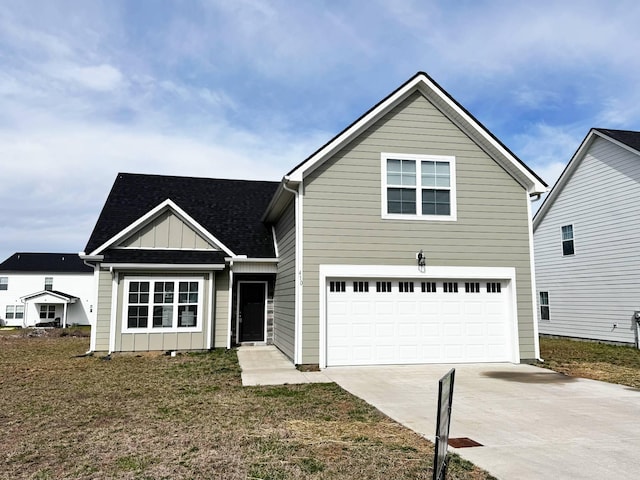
{"points": [[598, 361], [152, 416]]}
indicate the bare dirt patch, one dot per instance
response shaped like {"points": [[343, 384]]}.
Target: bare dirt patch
{"points": [[65, 415]]}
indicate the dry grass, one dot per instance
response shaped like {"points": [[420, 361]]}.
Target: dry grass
{"points": [[597, 361], [63, 415]]}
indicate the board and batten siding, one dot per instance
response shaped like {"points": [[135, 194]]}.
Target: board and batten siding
{"points": [[342, 213], [284, 291], [166, 231], [599, 286]]}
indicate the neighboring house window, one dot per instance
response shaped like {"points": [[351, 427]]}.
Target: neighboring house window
{"points": [[163, 304], [48, 283], [472, 287], [360, 286], [418, 187], [337, 286], [544, 305], [19, 312], [450, 287], [567, 240], [4, 283], [405, 287], [47, 312], [429, 287], [494, 287], [383, 286], [10, 312]]}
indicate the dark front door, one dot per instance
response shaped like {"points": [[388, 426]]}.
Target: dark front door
{"points": [[251, 311]]}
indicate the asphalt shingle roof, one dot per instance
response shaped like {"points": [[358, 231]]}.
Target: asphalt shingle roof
{"points": [[230, 210], [628, 137], [45, 262]]}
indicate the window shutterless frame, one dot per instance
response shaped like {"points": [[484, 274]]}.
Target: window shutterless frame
{"points": [[568, 240], [418, 187], [162, 305]]}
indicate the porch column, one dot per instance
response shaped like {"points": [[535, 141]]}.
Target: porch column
{"points": [[64, 315]]}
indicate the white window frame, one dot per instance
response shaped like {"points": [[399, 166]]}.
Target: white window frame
{"points": [[418, 159], [572, 239], [50, 313], [200, 318], [48, 282], [542, 305]]}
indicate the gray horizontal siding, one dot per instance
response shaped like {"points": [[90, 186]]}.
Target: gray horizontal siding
{"points": [[342, 213], [599, 286], [284, 291]]}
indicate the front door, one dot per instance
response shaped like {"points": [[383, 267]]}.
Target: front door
{"points": [[251, 310]]}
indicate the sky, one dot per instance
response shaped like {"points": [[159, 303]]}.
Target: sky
{"points": [[248, 89]]}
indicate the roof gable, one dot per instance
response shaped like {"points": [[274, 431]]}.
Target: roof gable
{"points": [[421, 82], [138, 231], [225, 212], [627, 139], [25, 262]]}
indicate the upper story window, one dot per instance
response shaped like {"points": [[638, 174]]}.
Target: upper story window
{"points": [[4, 283], [418, 187], [48, 283], [167, 304], [567, 240]]}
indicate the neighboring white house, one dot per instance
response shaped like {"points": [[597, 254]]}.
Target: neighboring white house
{"points": [[38, 288], [587, 244]]}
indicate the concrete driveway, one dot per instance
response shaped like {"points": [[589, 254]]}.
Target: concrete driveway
{"points": [[532, 423]]}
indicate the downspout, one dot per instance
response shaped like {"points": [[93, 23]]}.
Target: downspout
{"points": [[534, 294], [94, 326], [636, 319], [298, 274]]}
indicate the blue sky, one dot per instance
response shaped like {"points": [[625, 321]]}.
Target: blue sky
{"points": [[248, 89]]}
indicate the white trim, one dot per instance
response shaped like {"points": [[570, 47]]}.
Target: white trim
{"points": [[297, 359], [421, 82], [397, 271], [44, 293], [200, 318], [264, 326], [230, 306], [244, 259], [164, 266], [532, 266], [451, 160], [275, 241], [153, 213], [210, 308], [173, 249], [114, 313]]}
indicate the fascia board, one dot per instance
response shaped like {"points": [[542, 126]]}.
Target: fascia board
{"points": [[164, 266], [151, 214], [450, 108], [361, 124], [47, 293], [565, 176], [482, 136]]}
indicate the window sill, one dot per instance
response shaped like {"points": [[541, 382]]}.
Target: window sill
{"points": [[420, 218]]}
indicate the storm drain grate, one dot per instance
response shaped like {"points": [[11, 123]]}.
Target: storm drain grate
{"points": [[463, 442]]}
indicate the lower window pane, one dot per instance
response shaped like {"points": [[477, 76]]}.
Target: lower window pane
{"points": [[163, 317], [401, 200], [436, 202], [187, 315], [137, 317]]}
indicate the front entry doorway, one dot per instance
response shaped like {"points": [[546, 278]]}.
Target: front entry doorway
{"points": [[251, 311]]}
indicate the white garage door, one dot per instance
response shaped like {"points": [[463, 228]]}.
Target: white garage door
{"points": [[384, 321]]}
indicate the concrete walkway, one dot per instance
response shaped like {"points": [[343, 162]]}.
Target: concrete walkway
{"points": [[266, 365], [532, 423]]}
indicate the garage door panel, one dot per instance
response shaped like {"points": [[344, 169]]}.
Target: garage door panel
{"points": [[371, 327]]}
